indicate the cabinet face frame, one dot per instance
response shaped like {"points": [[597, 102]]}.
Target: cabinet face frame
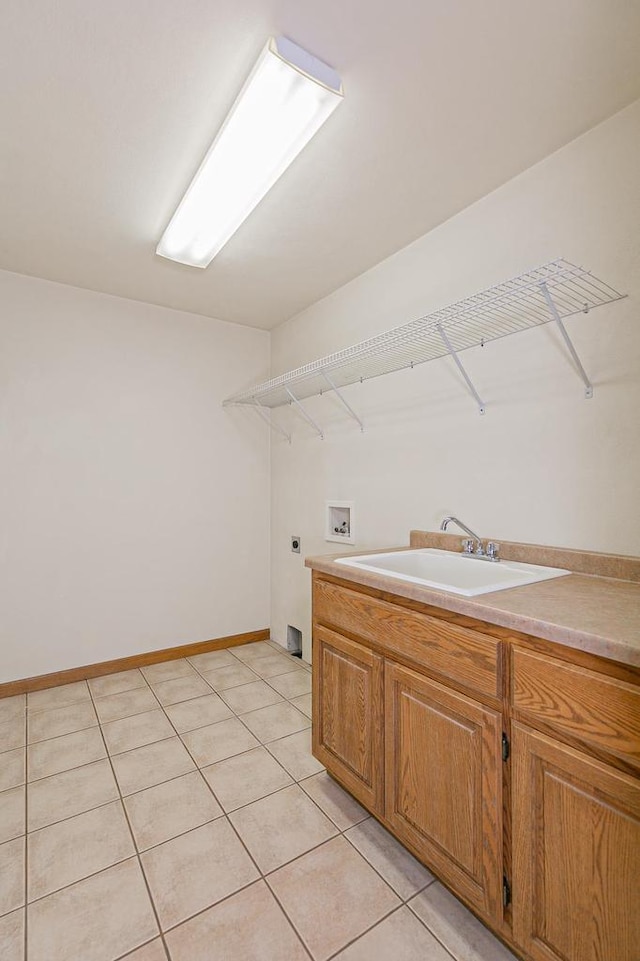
{"points": [[462, 739], [356, 757], [575, 820], [582, 710]]}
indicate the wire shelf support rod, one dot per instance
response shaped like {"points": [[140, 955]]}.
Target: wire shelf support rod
{"points": [[341, 397], [588, 386], [309, 419], [447, 343], [269, 420]]}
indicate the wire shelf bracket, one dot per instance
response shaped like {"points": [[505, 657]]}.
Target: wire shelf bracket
{"points": [[268, 419], [547, 294], [588, 386], [309, 419], [341, 397], [459, 365]]}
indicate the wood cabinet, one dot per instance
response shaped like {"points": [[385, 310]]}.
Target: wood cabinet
{"points": [[460, 655], [576, 810], [444, 782], [510, 766], [348, 719], [576, 825]]}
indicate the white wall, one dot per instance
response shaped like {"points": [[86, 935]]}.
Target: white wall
{"points": [[133, 508], [543, 465]]}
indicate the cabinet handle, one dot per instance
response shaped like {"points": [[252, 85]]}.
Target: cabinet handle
{"points": [[505, 747]]}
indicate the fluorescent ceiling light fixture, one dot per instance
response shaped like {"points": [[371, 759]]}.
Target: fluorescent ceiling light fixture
{"points": [[286, 99]]}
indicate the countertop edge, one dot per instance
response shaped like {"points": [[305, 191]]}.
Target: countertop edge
{"points": [[609, 647]]}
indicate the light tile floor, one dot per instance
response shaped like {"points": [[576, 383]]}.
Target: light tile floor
{"points": [[176, 812]]}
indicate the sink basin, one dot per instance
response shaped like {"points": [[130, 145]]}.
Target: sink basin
{"points": [[446, 571]]}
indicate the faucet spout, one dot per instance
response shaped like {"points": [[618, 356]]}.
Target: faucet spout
{"points": [[467, 530], [486, 552]]}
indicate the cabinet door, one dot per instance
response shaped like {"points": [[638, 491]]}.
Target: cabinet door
{"points": [[348, 714], [576, 832], [444, 783]]}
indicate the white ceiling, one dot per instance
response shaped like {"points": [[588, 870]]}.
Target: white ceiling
{"points": [[106, 110]]}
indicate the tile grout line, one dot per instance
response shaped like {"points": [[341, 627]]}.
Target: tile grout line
{"points": [[225, 814], [310, 851], [228, 897], [432, 932], [300, 856], [97, 725], [341, 833], [45, 740], [162, 708], [385, 917], [147, 710], [437, 880], [215, 797], [261, 743], [198, 767], [130, 954], [109, 754], [261, 874], [293, 926], [371, 865], [297, 781], [199, 770], [94, 874], [239, 718], [133, 840], [76, 767], [70, 817]]}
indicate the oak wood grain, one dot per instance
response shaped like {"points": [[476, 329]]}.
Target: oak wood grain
{"points": [[601, 710], [465, 656], [576, 833], [444, 782], [348, 714], [564, 823], [451, 617]]}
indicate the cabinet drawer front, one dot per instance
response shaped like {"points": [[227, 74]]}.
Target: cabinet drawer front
{"points": [[454, 652], [600, 710]]}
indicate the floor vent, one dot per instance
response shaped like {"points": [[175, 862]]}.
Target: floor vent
{"points": [[294, 641]]}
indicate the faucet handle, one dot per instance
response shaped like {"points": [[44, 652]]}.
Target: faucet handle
{"points": [[493, 550], [467, 545]]}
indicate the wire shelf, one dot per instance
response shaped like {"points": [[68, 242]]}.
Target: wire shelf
{"points": [[554, 291]]}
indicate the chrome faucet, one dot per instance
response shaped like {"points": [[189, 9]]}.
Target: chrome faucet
{"points": [[475, 546]]}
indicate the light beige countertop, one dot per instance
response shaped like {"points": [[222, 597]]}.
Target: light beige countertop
{"points": [[588, 611]]}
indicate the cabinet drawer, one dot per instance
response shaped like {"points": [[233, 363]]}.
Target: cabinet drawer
{"points": [[600, 710], [463, 655]]}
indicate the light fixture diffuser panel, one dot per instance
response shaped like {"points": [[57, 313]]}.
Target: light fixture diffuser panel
{"points": [[285, 100]]}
